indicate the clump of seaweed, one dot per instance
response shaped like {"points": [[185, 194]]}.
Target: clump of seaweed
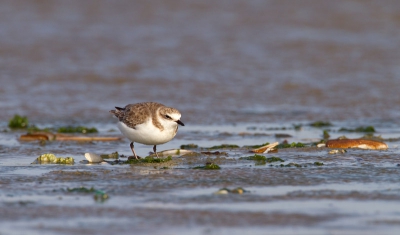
{"points": [[274, 159], [318, 163], [81, 190], [218, 153], [285, 144], [148, 159], [99, 196], [359, 129], [320, 124], [189, 146], [292, 164], [113, 155], [33, 129], [18, 122], [297, 127], [22, 122], [225, 146], [51, 158], [261, 160], [325, 134], [208, 166]]}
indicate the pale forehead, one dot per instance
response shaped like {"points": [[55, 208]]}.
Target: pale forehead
{"points": [[176, 116]]}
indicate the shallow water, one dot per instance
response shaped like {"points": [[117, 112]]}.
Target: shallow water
{"points": [[241, 72]]}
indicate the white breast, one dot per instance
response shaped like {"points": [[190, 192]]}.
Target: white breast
{"points": [[147, 133]]}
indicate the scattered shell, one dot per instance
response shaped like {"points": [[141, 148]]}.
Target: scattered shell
{"points": [[335, 151], [321, 145], [93, 158], [356, 143], [238, 190], [222, 191], [266, 148]]}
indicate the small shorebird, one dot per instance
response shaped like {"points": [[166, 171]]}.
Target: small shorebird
{"points": [[148, 123]]}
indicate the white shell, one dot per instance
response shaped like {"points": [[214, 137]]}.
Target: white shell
{"points": [[334, 151], [93, 158], [222, 191]]}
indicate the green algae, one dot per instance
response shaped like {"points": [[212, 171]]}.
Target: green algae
{"points": [[358, 129], [292, 145], [320, 124], [297, 127], [18, 122], [52, 159], [292, 164], [66, 160], [208, 166], [99, 195], [255, 157], [22, 122], [225, 146], [325, 134], [218, 153], [189, 146], [274, 159], [148, 159], [113, 155], [33, 128], [261, 160], [81, 190]]}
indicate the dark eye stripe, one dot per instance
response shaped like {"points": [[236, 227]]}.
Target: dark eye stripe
{"points": [[168, 117]]}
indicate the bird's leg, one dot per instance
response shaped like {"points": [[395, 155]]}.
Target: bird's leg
{"points": [[155, 150], [133, 151]]}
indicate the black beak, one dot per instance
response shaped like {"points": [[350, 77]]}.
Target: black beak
{"points": [[180, 123]]}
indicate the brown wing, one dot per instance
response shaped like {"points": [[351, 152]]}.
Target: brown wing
{"points": [[134, 114]]}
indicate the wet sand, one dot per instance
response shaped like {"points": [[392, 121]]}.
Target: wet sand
{"points": [[241, 72]]}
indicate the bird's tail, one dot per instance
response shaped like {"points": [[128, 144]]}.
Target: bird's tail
{"points": [[118, 112]]}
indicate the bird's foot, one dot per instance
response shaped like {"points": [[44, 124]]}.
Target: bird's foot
{"points": [[133, 157]]}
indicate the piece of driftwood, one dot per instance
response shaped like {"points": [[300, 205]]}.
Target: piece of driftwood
{"points": [[356, 143], [64, 137], [266, 148]]}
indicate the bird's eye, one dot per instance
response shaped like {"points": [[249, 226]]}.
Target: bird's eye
{"points": [[167, 117]]}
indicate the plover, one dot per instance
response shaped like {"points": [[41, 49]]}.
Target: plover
{"points": [[148, 123]]}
